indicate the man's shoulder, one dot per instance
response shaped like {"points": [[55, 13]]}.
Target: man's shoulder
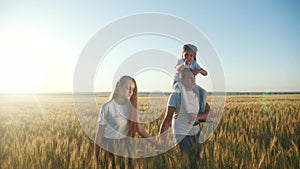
{"points": [[174, 94], [174, 99]]}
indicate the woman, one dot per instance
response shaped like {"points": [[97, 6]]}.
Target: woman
{"points": [[118, 122]]}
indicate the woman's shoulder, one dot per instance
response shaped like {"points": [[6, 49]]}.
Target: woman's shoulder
{"points": [[107, 104]]}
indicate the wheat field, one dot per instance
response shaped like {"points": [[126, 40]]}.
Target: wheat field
{"points": [[255, 131]]}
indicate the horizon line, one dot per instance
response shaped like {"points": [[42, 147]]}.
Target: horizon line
{"points": [[145, 92]]}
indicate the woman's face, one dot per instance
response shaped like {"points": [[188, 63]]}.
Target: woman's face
{"points": [[126, 90]]}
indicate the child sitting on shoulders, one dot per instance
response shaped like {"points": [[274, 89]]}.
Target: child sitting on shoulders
{"points": [[188, 60]]}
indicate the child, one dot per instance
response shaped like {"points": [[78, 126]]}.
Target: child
{"points": [[189, 60]]}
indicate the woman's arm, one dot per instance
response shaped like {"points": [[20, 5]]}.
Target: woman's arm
{"points": [[145, 134], [98, 140], [142, 131]]}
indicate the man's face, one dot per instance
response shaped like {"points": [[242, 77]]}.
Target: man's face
{"points": [[188, 80]]}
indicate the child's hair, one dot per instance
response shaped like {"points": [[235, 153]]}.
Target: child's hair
{"points": [[191, 47]]}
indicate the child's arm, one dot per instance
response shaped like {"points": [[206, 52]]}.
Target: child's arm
{"points": [[182, 63], [178, 67], [201, 71], [196, 68]]}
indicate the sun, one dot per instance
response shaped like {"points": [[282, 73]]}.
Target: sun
{"points": [[22, 71], [23, 74]]}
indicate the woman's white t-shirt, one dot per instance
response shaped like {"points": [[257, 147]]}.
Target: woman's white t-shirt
{"points": [[115, 117]]}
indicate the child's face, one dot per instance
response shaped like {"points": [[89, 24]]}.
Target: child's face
{"points": [[188, 56]]}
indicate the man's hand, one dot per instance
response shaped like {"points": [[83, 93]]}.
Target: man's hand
{"points": [[192, 117]]}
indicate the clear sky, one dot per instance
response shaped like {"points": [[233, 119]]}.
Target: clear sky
{"points": [[257, 42]]}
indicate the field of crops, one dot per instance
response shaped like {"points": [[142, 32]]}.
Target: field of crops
{"points": [[255, 131]]}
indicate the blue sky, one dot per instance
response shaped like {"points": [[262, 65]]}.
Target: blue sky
{"points": [[257, 42]]}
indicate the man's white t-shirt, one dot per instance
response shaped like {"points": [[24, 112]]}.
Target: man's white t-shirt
{"points": [[182, 125]]}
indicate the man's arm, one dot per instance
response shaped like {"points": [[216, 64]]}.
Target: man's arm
{"points": [[168, 119], [202, 117]]}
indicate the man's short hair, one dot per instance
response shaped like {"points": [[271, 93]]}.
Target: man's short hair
{"points": [[184, 71]]}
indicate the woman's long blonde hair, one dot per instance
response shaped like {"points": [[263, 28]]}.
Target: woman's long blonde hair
{"points": [[132, 119]]}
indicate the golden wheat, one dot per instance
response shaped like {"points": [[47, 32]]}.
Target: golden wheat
{"points": [[256, 131]]}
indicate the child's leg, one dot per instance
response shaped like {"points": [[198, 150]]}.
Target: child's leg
{"points": [[202, 99], [176, 87], [179, 89]]}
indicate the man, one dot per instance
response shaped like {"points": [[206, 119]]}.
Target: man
{"points": [[182, 111]]}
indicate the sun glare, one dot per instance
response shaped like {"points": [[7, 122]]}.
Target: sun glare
{"points": [[22, 73], [22, 70]]}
